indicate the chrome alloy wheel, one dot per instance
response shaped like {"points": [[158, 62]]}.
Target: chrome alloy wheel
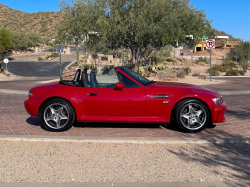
{"points": [[193, 116], [56, 116]]}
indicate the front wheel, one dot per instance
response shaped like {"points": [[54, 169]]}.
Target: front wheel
{"points": [[192, 116], [57, 115]]}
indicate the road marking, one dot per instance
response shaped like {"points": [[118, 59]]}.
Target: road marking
{"points": [[235, 92], [6, 91]]}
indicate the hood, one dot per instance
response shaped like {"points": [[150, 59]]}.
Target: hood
{"points": [[176, 84], [184, 86]]}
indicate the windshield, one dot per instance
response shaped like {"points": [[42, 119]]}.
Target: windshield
{"points": [[136, 76]]}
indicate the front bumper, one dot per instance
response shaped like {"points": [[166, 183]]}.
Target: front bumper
{"points": [[218, 113], [32, 106]]}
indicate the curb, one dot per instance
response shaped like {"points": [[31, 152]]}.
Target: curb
{"points": [[66, 68], [131, 140], [219, 77]]}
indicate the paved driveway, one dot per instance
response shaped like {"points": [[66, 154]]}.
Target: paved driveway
{"points": [[35, 69], [15, 121]]}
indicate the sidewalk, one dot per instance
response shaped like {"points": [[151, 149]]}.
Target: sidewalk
{"points": [[167, 184]]}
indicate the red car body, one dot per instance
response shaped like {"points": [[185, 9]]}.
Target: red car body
{"points": [[137, 105]]}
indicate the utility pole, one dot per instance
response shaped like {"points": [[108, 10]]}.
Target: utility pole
{"points": [[236, 56]]}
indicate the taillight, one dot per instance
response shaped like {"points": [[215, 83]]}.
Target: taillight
{"points": [[31, 96]]}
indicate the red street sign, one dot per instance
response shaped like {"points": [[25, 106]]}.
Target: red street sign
{"points": [[210, 44]]}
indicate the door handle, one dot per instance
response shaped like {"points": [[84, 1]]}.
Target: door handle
{"points": [[92, 94]]}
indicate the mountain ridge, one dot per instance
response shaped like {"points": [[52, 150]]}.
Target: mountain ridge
{"points": [[42, 23]]}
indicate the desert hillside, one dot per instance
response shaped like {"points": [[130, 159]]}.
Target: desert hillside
{"points": [[40, 22]]}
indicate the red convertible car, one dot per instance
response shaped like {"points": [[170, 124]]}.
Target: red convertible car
{"points": [[122, 95]]}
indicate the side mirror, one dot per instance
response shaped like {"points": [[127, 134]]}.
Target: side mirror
{"points": [[119, 86]]}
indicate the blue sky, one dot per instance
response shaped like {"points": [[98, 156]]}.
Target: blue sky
{"points": [[231, 16]]}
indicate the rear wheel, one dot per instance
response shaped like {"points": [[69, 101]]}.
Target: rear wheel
{"points": [[192, 116], [57, 115]]}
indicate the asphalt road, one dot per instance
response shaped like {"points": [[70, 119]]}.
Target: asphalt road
{"points": [[35, 69]]}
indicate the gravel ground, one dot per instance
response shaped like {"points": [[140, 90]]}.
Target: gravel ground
{"points": [[54, 162]]}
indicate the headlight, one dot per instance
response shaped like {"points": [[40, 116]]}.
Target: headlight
{"points": [[218, 100]]}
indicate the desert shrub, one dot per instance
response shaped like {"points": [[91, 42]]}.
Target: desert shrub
{"points": [[86, 66], [245, 66], [39, 58], [202, 64], [232, 72], [83, 59], [181, 74], [162, 54], [196, 74], [112, 66], [171, 59], [187, 70], [52, 49], [54, 55], [241, 72], [219, 68], [215, 73], [201, 59], [228, 64]]}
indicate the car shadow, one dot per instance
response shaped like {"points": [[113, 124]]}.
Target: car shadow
{"points": [[116, 125], [35, 122], [170, 126]]}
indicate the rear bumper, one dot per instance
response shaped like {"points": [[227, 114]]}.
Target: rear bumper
{"points": [[32, 106], [218, 113]]}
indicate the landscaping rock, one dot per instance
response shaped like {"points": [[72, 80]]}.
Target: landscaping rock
{"points": [[166, 76]]}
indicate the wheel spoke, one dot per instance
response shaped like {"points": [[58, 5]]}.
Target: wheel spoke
{"points": [[52, 110], [185, 116], [50, 118], [190, 109], [63, 117], [58, 123], [198, 120], [198, 113], [60, 111]]}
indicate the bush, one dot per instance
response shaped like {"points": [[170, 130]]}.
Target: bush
{"points": [[201, 59], [112, 66], [232, 72], [241, 72], [219, 68], [39, 58], [83, 59], [196, 74], [181, 74], [162, 54], [86, 66], [187, 70], [52, 49], [228, 64], [215, 73]]}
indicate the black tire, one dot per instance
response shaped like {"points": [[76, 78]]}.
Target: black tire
{"points": [[192, 119], [57, 115]]}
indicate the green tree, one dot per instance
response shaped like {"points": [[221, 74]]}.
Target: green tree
{"points": [[145, 25], [5, 40], [243, 54], [22, 40], [141, 26]]}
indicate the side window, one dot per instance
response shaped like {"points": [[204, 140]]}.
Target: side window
{"points": [[103, 79], [126, 81]]}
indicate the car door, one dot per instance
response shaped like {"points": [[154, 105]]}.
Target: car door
{"points": [[103, 99]]}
